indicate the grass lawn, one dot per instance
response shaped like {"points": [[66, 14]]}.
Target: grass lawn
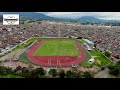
{"points": [[10, 76], [102, 59], [57, 47], [99, 57], [95, 53], [80, 41], [23, 58], [25, 44]]}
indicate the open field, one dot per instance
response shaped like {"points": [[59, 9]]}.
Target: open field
{"points": [[99, 57], [57, 48], [25, 44]]}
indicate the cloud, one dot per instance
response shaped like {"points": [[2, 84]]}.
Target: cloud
{"points": [[101, 15]]}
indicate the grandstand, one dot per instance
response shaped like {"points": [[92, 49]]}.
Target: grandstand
{"points": [[89, 44]]}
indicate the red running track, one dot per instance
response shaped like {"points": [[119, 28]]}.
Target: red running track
{"points": [[54, 61]]}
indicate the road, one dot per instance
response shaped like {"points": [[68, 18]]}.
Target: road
{"points": [[102, 74]]}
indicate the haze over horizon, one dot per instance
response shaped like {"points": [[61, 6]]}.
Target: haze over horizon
{"points": [[73, 15]]}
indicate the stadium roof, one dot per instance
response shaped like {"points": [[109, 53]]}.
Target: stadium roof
{"points": [[88, 41]]}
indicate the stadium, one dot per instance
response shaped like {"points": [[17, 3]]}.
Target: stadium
{"points": [[56, 53], [44, 49], [60, 53]]}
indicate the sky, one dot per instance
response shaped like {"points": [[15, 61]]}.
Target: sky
{"points": [[100, 15]]}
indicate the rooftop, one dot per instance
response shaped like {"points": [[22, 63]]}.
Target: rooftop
{"points": [[88, 41]]}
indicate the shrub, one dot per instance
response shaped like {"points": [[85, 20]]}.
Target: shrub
{"points": [[115, 71], [87, 75], [107, 53], [62, 74], [102, 68], [53, 72], [38, 71]]}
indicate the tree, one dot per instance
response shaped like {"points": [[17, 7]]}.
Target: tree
{"points": [[118, 63], [77, 74], [69, 74], [102, 68], [25, 70], [18, 68], [53, 72], [111, 67], [5, 70], [114, 69], [62, 73], [107, 53], [70, 36], [38, 71], [73, 74], [9, 70], [87, 75], [30, 66]]}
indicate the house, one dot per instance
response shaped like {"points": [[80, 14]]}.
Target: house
{"points": [[0, 43], [90, 44]]}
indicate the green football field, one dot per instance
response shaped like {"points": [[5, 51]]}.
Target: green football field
{"points": [[57, 48]]}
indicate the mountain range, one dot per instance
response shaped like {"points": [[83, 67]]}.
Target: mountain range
{"points": [[40, 16]]}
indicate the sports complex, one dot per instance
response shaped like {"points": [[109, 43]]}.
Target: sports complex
{"points": [[59, 52]]}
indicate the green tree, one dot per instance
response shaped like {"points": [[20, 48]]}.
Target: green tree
{"points": [[69, 74], [111, 67], [114, 69], [87, 75], [5, 70], [62, 74], [38, 71], [73, 74], [18, 68], [107, 53], [25, 70], [102, 68], [53, 72], [77, 74], [118, 63], [9, 70]]}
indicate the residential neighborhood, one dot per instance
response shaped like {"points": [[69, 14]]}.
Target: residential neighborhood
{"points": [[104, 37]]}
